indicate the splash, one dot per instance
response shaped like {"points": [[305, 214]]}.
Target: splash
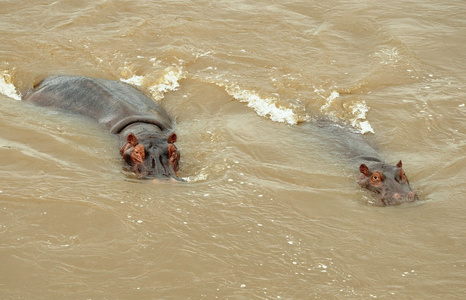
{"points": [[7, 88], [388, 56], [169, 81], [329, 100], [265, 107], [197, 178], [135, 80], [359, 121], [352, 113]]}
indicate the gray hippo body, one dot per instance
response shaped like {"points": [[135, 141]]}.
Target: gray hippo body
{"points": [[144, 128]]}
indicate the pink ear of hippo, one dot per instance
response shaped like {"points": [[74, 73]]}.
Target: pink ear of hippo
{"points": [[399, 164], [364, 170], [132, 139], [172, 138]]}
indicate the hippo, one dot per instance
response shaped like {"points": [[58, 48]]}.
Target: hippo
{"points": [[387, 181], [144, 128]]}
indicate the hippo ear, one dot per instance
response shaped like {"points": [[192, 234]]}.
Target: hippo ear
{"points": [[364, 170], [172, 138], [131, 138], [399, 164]]}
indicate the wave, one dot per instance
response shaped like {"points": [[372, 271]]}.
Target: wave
{"points": [[298, 106], [6, 86], [169, 81], [293, 112], [286, 111], [353, 112], [265, 107], [359, 121]]}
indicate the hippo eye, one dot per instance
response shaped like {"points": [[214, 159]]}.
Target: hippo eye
{"points": [[376, 177]]}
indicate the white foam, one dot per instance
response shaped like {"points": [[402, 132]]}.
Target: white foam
{"points": [[265, 107], [365, 127], [135, 80], [329, 100], [359, 111], [168, 82], [200, 177], [356, 116], [7, 88], [388, 56]]}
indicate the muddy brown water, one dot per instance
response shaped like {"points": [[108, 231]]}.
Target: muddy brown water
{"points": [[268, 211]]}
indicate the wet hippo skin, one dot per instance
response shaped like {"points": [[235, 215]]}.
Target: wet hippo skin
{"points": [[144, 128]]}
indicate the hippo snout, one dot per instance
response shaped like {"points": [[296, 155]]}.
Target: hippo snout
{"points": [[389, 197], [155, 167], [161, 166]]}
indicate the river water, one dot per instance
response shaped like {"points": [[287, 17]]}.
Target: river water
{"points": [[269, 209]]}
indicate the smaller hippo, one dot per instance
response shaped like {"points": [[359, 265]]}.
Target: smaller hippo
{"points": [[144, 128], [389, 182]]}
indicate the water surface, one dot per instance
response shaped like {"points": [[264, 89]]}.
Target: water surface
{"points": [[270, 210]]}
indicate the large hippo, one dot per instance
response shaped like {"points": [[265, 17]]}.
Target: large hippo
{"points": [[144, 128], [388, 181]]}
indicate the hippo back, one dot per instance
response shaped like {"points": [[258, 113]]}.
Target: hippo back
{"points": [[114, 104]]}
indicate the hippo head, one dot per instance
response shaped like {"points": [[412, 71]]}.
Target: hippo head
{"points": [[390, 182], [152, 155]]}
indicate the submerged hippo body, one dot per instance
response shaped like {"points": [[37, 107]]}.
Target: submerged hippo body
{"points": [[144, 128], [389, 182]]}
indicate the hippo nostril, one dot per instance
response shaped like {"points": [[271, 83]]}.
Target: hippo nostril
{"points": [[396, 195], [162, 169]]}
